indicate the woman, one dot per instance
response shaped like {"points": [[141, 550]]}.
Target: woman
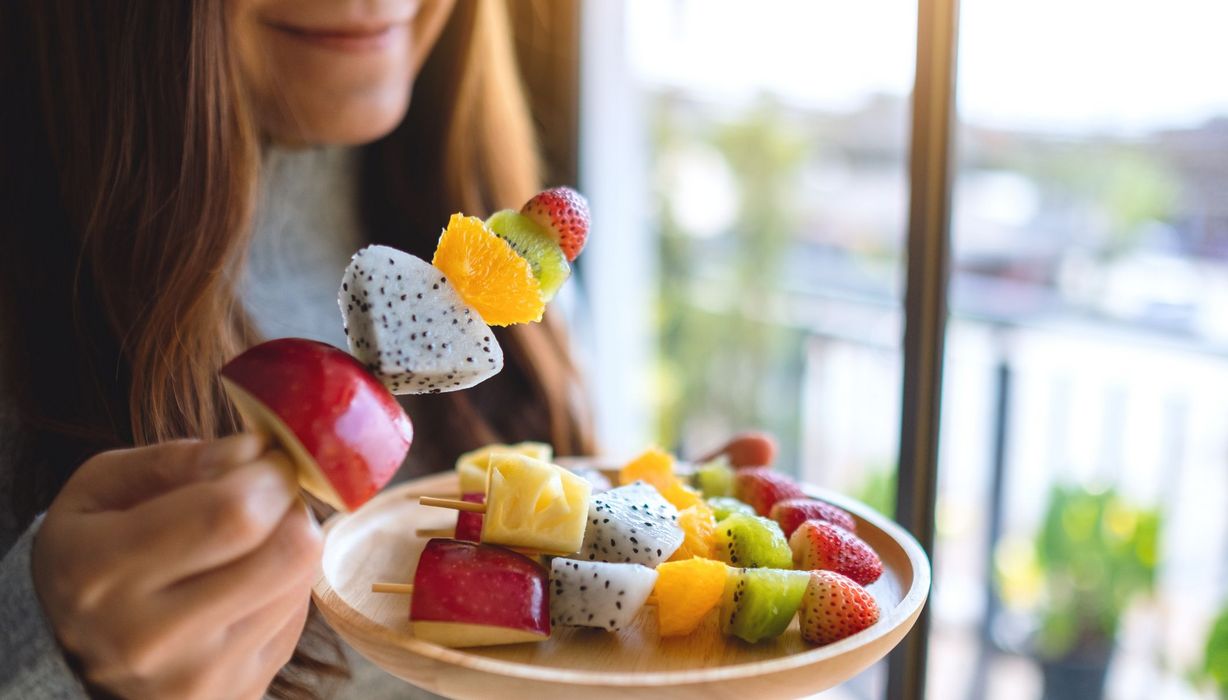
{"points": [[180, 180]]}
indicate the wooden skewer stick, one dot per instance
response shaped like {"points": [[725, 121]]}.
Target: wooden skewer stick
{"points": [[398, 588], [453, 504], [428, 533]]}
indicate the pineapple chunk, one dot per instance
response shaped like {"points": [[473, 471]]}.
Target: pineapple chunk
{"points": [[471, 466], [534, 504]]}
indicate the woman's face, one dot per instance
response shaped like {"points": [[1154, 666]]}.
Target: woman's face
{"points": [[333, 71]]}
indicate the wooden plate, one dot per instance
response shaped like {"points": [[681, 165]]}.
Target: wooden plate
{"points": [[377, 543]]}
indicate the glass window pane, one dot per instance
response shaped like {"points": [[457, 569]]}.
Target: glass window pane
{"points": [[754, 170], [1087, 349]]}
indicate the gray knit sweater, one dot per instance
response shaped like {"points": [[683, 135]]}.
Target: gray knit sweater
{"points": [[306, 230]]}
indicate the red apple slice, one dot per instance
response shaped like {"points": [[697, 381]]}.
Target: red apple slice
{"points": [[469, 525], [345, 433], [468, 594]]}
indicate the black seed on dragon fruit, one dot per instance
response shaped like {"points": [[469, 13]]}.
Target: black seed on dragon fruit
{"points": [[396, 309], [631, 524], [598, 594]]}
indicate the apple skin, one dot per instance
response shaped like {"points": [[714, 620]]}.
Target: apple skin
{"points": [[481, 585], [469, 525], [344, 418]]}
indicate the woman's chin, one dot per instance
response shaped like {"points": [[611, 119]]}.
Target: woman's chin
{"points": [[345, 122]]}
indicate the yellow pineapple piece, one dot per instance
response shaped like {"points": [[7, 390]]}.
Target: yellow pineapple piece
{"points": [[534, 504], [699, 525], [471, 466], [686, 591]]}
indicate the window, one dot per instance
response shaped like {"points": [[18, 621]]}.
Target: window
{"points": [[1087, 336], [754, 162]]}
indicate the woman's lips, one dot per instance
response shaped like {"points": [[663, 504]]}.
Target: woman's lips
{"points": [[368, 37]]}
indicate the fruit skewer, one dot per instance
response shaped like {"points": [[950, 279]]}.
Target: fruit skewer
{"points": [[754, 604], [412, 327], [630, 524], [467, 594], [580, 594], [529, 503], [408, 589], [425, 327]]}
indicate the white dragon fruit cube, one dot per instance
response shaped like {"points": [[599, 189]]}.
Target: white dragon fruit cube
{"points": [[410, 327], [631, 524], [598, 594]]}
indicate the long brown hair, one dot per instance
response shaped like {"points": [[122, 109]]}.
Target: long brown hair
{"points": [[130, 161]]}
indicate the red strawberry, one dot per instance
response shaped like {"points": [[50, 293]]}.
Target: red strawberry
{"points": [[820, 545], [835, 607], [469, 525], [748, 449], [794, 511], [564, 213], [762, 488]]}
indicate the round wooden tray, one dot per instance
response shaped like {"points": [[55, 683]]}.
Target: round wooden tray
{"points": [[377, 543]]}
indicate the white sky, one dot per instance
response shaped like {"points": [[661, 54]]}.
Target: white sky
{"points": [[1052, 65]]}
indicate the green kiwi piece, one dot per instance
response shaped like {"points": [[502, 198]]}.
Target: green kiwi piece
{"points": [[760, 603], [535, 245], [715, 478], [753, 542], [725, 506]]}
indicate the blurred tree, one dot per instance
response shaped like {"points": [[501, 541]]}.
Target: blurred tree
{"points": [[727, 361], [1215, 659]]}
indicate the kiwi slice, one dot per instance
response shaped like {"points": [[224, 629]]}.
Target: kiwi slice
{"points": [[760, 603], [715, 478], [725, 506], [532, 243], [753, 542]]}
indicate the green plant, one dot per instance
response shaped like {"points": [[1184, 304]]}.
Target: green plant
{"points": [[877, 489], [1215, 658], [1092, 556]]}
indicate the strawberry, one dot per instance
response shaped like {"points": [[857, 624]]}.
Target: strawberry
{"points": [[748, 449], [835, 607], [761, 488], [820, 545], [564, 213], [794, 511]]}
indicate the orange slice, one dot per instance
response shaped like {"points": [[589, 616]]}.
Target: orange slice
{"points": [[655, 466], [488, 274], [685, 592], [682, 496], [699, 527]]}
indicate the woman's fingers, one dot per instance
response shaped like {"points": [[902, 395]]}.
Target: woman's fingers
{"points": [[281, 647], [200, 527], [285, 562], [121, 479], [158, 639], [269, 635], [246, 656], [255, 648]]}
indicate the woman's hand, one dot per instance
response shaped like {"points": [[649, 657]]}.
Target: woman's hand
{"points": [[179, 570]]}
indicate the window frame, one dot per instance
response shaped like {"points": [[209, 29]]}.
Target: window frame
{"points": [[930, 181]]}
